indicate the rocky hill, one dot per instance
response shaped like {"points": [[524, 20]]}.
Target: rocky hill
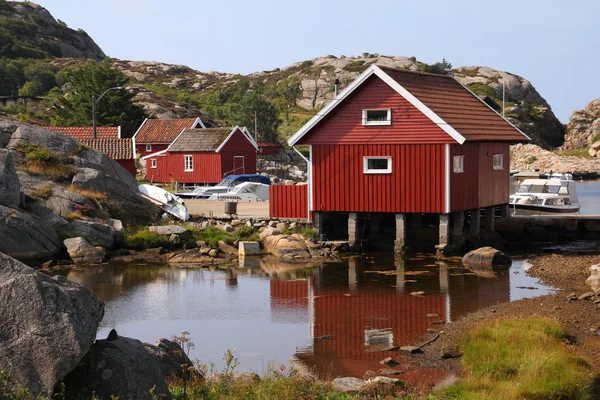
{"points": [[531, 158], [299, 90], [28, 30], [583, 128]]}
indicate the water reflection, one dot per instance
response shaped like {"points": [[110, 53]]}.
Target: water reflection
{"points": [[337, 318]]}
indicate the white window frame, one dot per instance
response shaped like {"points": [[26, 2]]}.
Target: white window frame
{"points": [[148, 147], [461, 167], [185, 163], [153, 163], [369, 123], [366, 169], [500, 165]]}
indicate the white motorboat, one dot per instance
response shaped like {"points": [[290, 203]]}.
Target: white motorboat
{"points": [[227, 184], [545, 196], [244, 192], [165, 200]]}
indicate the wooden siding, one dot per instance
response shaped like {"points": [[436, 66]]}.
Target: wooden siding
{"points": [[238, 145], [140, 149], [416, 183], [288, 201], [344, 124], [170, 168], [479, 185]]}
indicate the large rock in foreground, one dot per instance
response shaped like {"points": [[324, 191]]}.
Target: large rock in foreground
{"points": [[27, 238], [125, 368], [47, 325], [594, 280]]}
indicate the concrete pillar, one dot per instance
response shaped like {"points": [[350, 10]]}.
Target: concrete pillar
{"points": [[458, 222], [416, 220], [504, 210], [352, 273], [489, 219], [475, 223], [318, 221], [375, 222], [444, 230], [400, 277], [353, 234], [400, 242]]}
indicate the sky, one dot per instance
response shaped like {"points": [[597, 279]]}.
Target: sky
{"points": [[552, 43]]}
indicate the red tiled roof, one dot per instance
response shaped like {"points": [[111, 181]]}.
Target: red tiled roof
{"points": [[162, 130], [117, 149], [457, 106], [86, 132]]}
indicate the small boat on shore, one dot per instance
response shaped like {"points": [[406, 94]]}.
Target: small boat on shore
{"points": [[555, 195], [227, 184], [165, 200], [244, 192]]}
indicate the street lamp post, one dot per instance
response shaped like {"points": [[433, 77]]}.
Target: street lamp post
{"points": [[95, 105]]}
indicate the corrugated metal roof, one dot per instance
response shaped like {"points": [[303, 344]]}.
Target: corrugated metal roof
{"points": [[208, 139], [162, 130], [86, 132], [117, 149], [457, 106]]}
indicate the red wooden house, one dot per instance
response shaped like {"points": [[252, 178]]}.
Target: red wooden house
{"points": [[203, 156], [108, 140], [155, 135], [403, 146]]}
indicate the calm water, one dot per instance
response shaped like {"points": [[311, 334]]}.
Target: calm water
{"points": [[589, 197], [274, 311]]}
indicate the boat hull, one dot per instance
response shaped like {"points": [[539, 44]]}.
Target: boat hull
{"points": [[529, 209]]}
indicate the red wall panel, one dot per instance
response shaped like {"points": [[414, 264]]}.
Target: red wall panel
{"points": [[170, 168], [288, 201], [343, 125], [479, 185], [129, 165], [238, 145], [416, 183]]}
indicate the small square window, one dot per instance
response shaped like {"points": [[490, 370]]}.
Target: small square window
{"points": [[498, 161], [148, 147], [153, 163], [459, 164], [381, 116], [377, 165], [188, 163]]}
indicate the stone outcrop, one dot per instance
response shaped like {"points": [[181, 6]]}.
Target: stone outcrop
{"points": [[529, 157], [27, 237], [594, 280], [125, 368], [287, 246], [9, 181], [48, 325], [485, 257], [82, 252], [583, 128]]}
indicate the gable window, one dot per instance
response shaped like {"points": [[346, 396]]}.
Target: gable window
{"points": [[148, 147], [377, 165], [188, 162], [498, 161], [459, 164], [381, 116], [153, 163]]}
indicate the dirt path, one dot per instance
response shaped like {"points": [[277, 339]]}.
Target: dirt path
{"points": [[580, 318]]}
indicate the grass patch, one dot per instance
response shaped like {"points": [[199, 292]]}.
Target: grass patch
{"points": [[519, 359], [482, 89], [142, 238], [211, 235], [574, 153], [41, 161], [98, 196], [43, 193]]}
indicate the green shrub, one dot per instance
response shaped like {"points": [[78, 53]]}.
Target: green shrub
{"points": [[212, 235], [143, 238], [530, 159], [481, 89], [519, 359]]}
